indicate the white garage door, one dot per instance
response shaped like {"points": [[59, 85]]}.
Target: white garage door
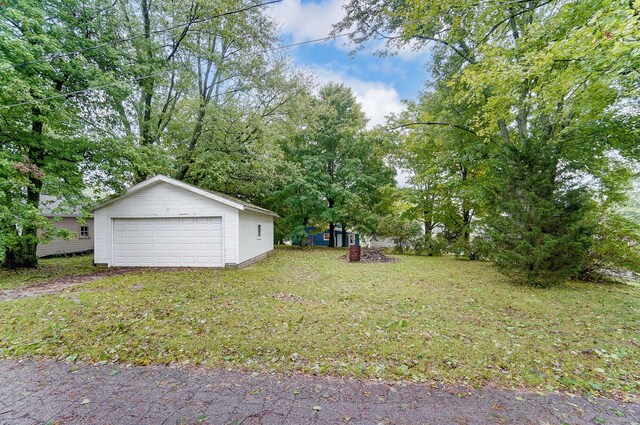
{"points": [[174, 242]]}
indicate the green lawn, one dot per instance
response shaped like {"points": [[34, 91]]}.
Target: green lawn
{"points": [[48, 268], [426, 319]]}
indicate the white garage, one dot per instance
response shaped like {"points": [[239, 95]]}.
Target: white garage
{"points": [[163, 222]]}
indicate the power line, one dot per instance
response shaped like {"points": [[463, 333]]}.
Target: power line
{"points": [[64, 95], [329, 37], [134, 37]]}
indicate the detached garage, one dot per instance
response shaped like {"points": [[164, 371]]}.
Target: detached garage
{"points": [[163, 222]]}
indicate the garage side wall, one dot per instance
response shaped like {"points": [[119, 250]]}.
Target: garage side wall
{"points": [[164, 200], [251, 245]]}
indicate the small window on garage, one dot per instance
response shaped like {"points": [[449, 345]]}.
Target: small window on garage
{"points": [[84, 231], [259, 231], [325, 236], [352, 239]]}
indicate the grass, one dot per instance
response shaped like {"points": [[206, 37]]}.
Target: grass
{"points": [[425, 319], [48, 268]]}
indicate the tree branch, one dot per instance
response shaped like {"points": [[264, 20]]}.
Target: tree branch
{"points": [[445, 124]]}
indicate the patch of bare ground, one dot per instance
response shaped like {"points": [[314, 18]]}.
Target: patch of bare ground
{"points": [[61, 283]]}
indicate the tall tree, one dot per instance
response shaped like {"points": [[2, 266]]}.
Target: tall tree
{"points": [[340, 160], [46, 112], [446, 161]]}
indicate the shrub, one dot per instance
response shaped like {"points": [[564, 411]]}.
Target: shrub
{"points": [[403, 231], [615, 246], [477, 248], [432, 246]]}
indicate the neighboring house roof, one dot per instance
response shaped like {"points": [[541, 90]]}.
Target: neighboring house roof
{"points": [[50, 206], [224, 199]]}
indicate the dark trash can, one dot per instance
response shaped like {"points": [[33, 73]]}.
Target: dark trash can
{"points": [[354, 253]]}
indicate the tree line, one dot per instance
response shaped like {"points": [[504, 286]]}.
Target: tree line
{"points": [[525, 141]]}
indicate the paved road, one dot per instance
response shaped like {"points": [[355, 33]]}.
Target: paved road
{"points": [[61, 393]]}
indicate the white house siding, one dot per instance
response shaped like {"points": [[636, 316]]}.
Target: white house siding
{"points": [[250, 245], [68, 246], [164, 200], [380, 243]]}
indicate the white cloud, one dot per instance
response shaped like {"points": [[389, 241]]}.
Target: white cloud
{"points": [[377, 98], [307, 21], [314, 20]]}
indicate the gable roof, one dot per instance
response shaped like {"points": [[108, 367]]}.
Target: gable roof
{"points": [[216, 196], [51, 206]]}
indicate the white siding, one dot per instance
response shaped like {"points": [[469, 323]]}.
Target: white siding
{"points": [[68, 246], [163, 200], [380, 243], [250, 245]]}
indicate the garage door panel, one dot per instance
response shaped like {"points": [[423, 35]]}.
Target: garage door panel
{"points": [[177, 242]]}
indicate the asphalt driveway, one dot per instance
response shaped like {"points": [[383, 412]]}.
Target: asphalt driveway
{"points": [[51, 392]]}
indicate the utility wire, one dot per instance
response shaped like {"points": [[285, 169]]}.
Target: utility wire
{"points": [[134, 37], [61, 95], [329, 37]]}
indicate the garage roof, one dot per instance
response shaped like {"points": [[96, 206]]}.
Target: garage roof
{"points": [[216, 196]]}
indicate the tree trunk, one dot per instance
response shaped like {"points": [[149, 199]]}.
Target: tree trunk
{"points": [[197, 132], [332, 226], [147, 87], [332, 239], [23, 254], [345, 237]]}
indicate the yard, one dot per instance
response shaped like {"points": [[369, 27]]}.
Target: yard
{"points": [[421, 318], [49, 268]]}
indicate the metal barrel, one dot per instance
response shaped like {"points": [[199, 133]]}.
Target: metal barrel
{"points": [[354, 253]]}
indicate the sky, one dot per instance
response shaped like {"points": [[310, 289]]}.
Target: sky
{"points": [[379, 83]]}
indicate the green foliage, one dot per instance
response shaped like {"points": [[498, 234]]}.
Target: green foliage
{"points": [[477, 247], [48, 131], [615, 245], [339, 173], [196, 101], [540, 229], [447, 162], [432, 246], [630, 208], [544, 93], [404, 231]]}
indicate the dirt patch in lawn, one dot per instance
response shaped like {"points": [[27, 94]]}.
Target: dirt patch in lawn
{"points": [[59, 284], [372, 255]]}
